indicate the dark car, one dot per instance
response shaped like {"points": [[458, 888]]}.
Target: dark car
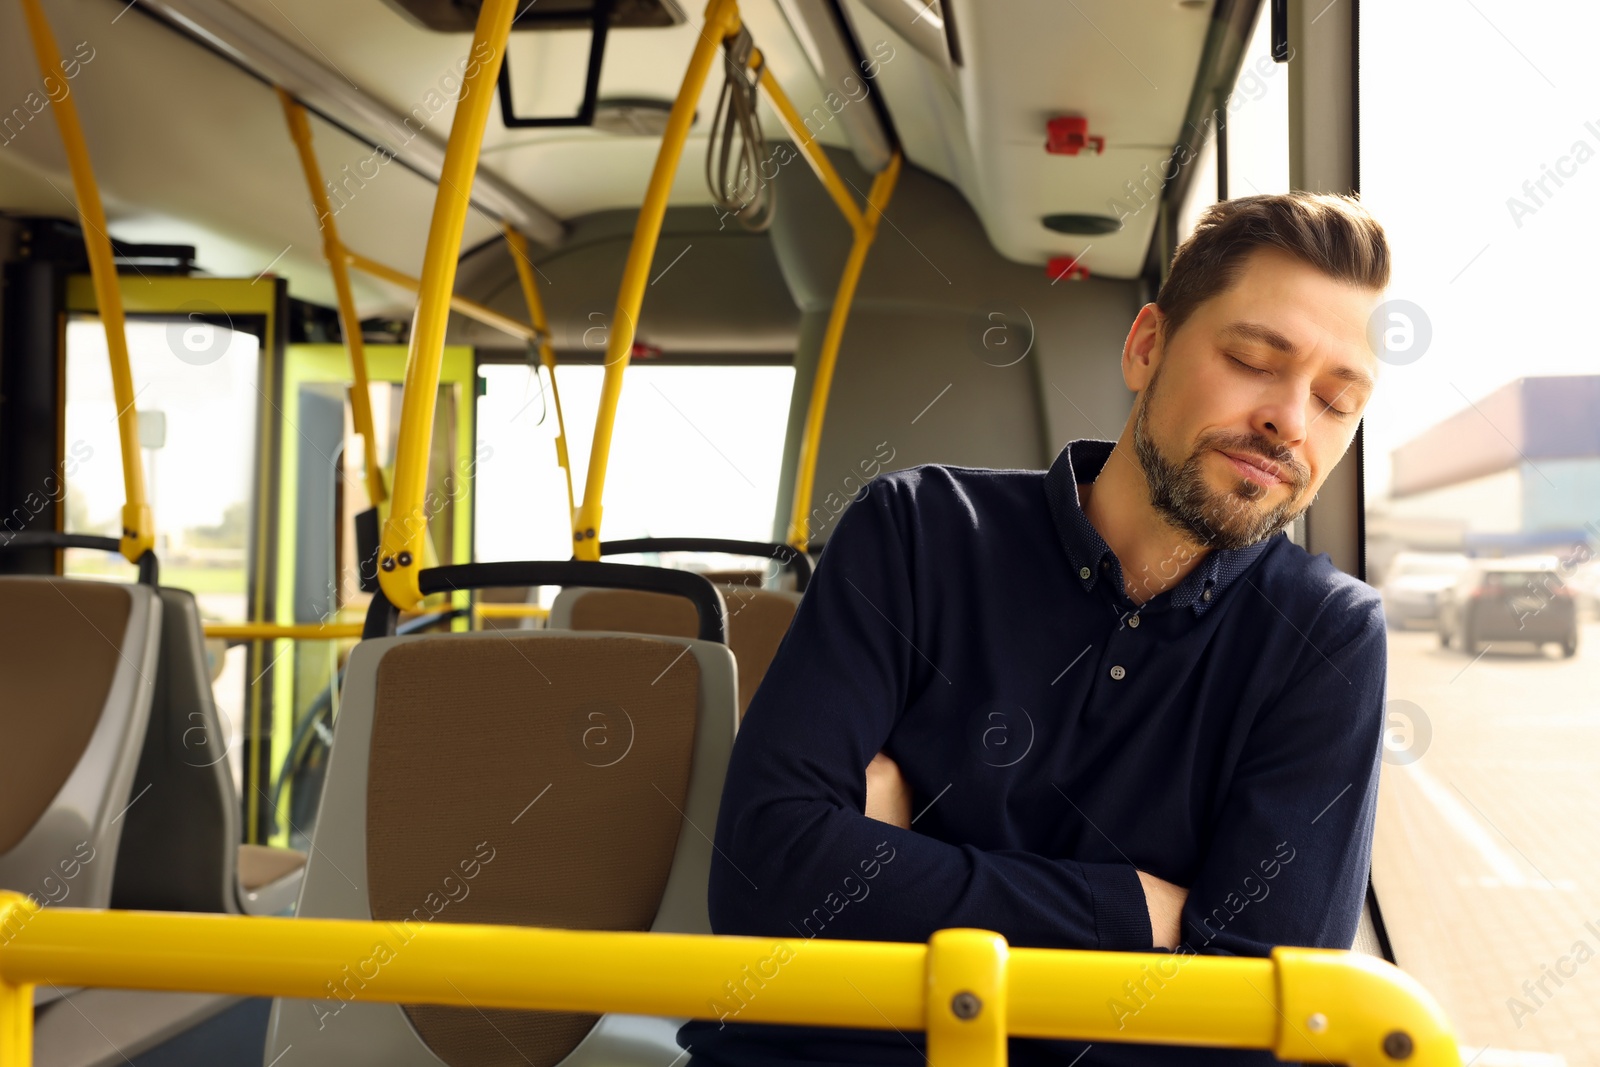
{"points": [[1509, 600]]}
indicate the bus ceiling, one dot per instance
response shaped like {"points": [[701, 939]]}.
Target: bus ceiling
{"points": [[970, 99]]}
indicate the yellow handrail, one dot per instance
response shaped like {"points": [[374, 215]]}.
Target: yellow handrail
{"points": [[400, 552], [966, 988], [547, 351], [511, 611], [138, 525], [810, 442], [721, 22], [806, 141], [349, 322], [459, 304], [268, 631]]}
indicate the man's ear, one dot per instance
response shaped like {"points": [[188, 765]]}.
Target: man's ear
{"points": [[1142, 351]]}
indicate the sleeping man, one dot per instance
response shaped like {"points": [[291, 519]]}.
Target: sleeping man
{"points": [[1106, 706]]}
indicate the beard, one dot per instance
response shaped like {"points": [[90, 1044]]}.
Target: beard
{"points": [[1233, 518]]}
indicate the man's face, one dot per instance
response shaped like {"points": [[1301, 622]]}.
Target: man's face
{"points": [[1275, 370]]}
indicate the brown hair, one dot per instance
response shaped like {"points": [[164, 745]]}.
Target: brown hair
{"points": [[1334, 234]]}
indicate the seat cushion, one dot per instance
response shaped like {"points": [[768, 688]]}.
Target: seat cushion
{"points": [[60, 644], [535, 781]]}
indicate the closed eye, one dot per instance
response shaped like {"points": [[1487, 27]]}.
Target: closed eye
{"points": [[1328, 404], [1248, 366]]}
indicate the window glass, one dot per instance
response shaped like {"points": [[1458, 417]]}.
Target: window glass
{"points": [[1481, 444], [1257, 118], [195, 391], [697, 452]]}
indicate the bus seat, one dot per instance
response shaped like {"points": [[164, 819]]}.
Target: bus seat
{"points": [[180, 843], [757, 620], [525, 777], [80, 661]]}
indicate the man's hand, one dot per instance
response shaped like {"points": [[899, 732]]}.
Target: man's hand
{"points": [[888, 796], [1164, 900]]}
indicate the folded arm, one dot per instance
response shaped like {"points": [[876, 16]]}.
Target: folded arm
{"points": [[797, 854]]}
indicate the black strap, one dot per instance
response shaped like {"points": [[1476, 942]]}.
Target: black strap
{"points": [[149, 568], [793, 560], [708, 603]]}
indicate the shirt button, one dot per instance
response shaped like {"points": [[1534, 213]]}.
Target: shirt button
{"points": [[1084, 572], [1133, 621], [1206, 595], [1117, 673]]}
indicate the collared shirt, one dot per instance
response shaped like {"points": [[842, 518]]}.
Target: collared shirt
{"points": [[1081, 462], [974, 625]]}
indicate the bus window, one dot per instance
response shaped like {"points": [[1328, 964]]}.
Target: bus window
{"points": [[1253, 121], [1483, 511], [1257, 118], [197, 401], [698, 452]]}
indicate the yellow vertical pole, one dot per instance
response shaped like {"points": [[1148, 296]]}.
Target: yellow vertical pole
{"points": [[721, 22], [16, 998], [827, 359], [339, 265], [400, 552], [138, 526], [547, 352]]}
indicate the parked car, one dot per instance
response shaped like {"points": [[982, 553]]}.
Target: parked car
{"points": [[1524, 599], [1412, 585]]}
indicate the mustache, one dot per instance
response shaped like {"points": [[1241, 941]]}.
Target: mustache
{"points": [[1254, 444]]}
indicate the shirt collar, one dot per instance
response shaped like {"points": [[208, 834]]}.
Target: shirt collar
{"points": [[1092, 558]]}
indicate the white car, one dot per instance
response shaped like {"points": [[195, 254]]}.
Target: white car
{"points": [[1413, 583]]}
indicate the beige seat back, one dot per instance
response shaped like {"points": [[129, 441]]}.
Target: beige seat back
{"points": [[79, 663], [757, 620], [180, 843], [527, 778]]}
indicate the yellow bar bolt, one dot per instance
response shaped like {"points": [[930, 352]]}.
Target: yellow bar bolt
{"points": [[828, 357], [721, 22], [400, 551], [547, 351], [138, 525], [349, 321]]}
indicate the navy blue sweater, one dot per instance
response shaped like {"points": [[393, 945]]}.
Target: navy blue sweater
{"points": [[1057, 737]]}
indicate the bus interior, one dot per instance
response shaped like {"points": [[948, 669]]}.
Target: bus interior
{"points": [[331, 333]]}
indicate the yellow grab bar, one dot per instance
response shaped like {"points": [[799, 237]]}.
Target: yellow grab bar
{"points": [[400, 552], [547, 351], [966, 988], [511, 611], [721, 22], [810, 442], [138, 525], [459, 304], [806, 141], [349, 322], [268, 631]]}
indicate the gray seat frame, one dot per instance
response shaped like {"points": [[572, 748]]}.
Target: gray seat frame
{"points": [[184, 835]]}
